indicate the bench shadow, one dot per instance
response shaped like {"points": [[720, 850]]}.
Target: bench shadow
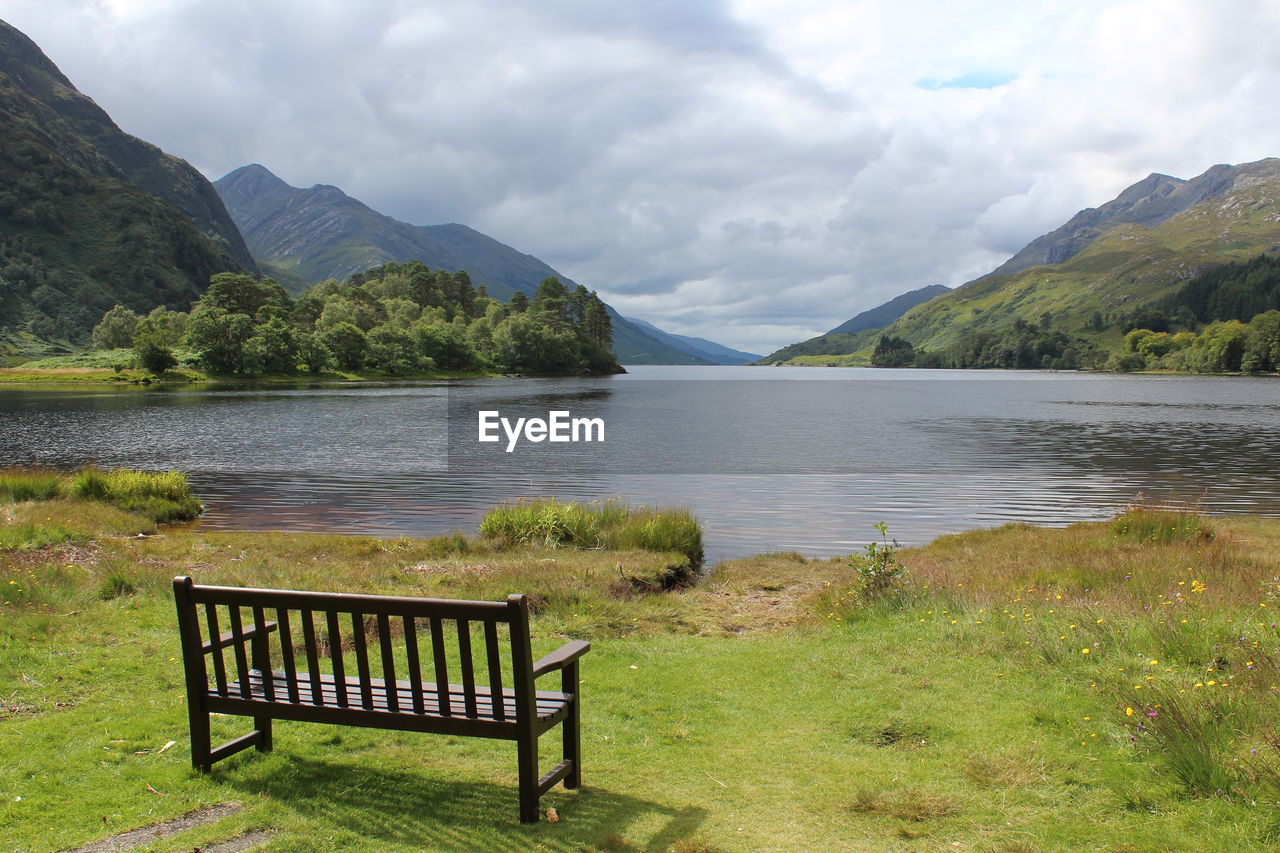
{"points": [[415, 810]]}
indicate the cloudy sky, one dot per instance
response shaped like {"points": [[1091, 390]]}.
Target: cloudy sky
{"points": [[752, 171]]}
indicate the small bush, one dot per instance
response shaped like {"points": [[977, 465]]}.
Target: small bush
{"points": [[161, 496], [29, 485], [613, 524], [116, 586], [1150, 523], [877, 566]]}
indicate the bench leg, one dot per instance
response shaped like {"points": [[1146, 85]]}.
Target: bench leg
{"points": [[263, 726], [200, 743], [527, 759], [572, 727]]}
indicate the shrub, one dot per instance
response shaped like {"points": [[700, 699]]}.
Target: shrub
{"points": [[1164, 524], [877, 566], [161, 496], [613, 524], [29, 485]]}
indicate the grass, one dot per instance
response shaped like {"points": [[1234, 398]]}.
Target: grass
{"points": [[757, 709], [612, 525], [160, 496]]}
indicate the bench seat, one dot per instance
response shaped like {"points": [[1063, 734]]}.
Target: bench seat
{"points": [[552, 706]]}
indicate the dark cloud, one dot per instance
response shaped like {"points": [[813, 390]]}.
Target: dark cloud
{"points": [[752, 172]]}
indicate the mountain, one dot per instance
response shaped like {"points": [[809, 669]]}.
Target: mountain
{"points": [[883, 315], [1107, 262], [846, 337], [304, 236], [710, 351], [91, 216]]}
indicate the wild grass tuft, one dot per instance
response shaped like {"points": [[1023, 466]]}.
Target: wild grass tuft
{"points": [[612, 524], [32, 485], [1148, 523], [162, 496]]}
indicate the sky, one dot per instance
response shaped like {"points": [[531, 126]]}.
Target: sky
{"points": [[753, 172]]}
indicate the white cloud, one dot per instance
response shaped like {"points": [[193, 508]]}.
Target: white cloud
{"points": [[753, 172]]}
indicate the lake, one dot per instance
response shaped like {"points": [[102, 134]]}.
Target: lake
{"points": [[804, 459]]}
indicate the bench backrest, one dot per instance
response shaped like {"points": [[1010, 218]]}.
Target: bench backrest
{"points": [[480, 646]]}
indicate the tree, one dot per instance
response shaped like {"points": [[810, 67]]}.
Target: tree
{"points": [[551, 304], [596, 324], [115, 330], [237, 293], [347, 343], [519, 302], [1262, 344], [219, 336], [273, 348], [391, 349], [152, 347], [446, 344], [312, 352], [893, 352]]}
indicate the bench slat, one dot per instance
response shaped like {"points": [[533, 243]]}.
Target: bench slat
{"points": [[242, 662], [415, 666], [388, 662], [219, 665], [362, 659], [312, 652], [547, 702], [495, 665], [262, 652], [286, 654], [389, 604], [442, 664], [468, 667], [335, 655]]}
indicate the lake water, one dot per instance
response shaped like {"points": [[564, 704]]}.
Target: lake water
{"points": [[803, 459]]}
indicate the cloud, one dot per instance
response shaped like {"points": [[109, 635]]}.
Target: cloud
{"points": [[753, 172]]}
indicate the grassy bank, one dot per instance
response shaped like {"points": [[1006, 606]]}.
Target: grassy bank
{"points": [[1103, 686], [121, 367]]}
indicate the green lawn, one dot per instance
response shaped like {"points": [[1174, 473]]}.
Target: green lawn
{"points": [[766, 708]]}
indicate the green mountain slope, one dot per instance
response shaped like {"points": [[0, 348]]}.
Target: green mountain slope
{"points": [[883, 315], [309, 235], [1106, 263], [83, 134], [77, 233], [855, 333], [1127, 267]]}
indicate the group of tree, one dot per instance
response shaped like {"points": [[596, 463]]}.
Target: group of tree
{"points": [[1227, 346], [1020, 345], [396, 318]]}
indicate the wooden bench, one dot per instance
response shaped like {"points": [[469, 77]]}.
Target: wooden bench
{"points": [[313, 656]]}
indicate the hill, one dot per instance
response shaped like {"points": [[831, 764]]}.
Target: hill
{"points": [[91, 215], [711, 351], [1111, 262], [883, 315], [855, 333], [305, 236]]}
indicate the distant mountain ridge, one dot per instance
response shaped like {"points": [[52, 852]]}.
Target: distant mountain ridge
{"points": [[850, 335], [309, 235], [1131, 252], [1152, 201], [91, 216], [711, 351], [883, 315]]}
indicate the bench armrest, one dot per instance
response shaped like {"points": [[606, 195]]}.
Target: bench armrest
{"points": [[561, 657], [228, 639]]}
